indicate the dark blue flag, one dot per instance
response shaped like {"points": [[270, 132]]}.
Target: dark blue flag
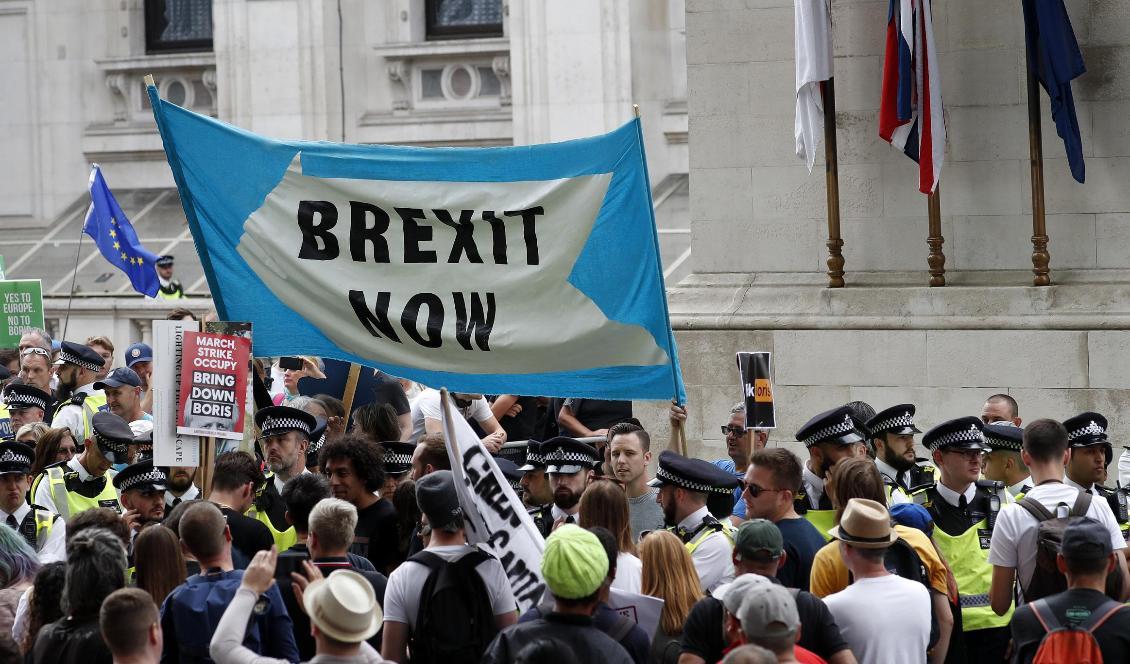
{"points": [[116, 239], [1054, 55]]}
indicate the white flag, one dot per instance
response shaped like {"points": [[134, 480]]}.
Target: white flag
{"points": [[496, 520], [813, 37]]}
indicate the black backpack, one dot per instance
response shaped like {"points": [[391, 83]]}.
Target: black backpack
{"points": [[455, 623]]}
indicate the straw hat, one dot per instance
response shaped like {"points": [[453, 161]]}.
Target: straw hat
{"points": [[865, 524], [344, 606]]}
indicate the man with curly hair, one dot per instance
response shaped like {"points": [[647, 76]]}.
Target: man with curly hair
{"points": [[355, 468]]}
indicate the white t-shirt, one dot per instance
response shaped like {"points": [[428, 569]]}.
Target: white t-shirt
{"points": [[884, 619], [1014, 536], [426, 406], [629, 573], [402, 595]]}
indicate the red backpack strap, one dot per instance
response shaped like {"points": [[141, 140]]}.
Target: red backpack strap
{"points": [[1100, 615], [1045, 615]]}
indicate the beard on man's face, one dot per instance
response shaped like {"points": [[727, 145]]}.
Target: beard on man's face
{"points": [[565, 498]]}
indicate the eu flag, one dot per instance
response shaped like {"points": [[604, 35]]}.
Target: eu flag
{"points": [[116, 239]]}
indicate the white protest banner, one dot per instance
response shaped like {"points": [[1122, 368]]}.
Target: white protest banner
{"points": [[495, 518], [169, 447], [644, 610]]}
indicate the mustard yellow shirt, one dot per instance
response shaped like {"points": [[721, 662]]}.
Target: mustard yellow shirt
{"points": [[830, 575]]}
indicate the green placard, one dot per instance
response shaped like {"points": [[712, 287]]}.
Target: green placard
{"points": [[22, 302]]}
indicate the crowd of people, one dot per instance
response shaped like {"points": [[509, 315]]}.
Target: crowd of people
{"points": [[341, 536]]}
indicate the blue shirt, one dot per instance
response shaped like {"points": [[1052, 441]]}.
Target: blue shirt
{"points": [[802, 541], [191, 612], [739, 504]]}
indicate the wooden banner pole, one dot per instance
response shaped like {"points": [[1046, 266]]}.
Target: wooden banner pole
{"points": [[832, 171], [1040, 256], [936, 260], [350, 391]]}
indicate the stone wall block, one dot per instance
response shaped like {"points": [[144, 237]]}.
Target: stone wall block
{"points": [[848, 357], [977, 358]]}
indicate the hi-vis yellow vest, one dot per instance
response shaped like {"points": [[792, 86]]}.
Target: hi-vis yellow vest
{"points": [[284, 539], [968, 556], [67, 502], [706, 530], [93, 403]]}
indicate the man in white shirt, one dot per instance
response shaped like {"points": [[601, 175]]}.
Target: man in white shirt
{"points": [[427, 416], [436, 496], [1012, 552], [883, 617], [683, 485]]}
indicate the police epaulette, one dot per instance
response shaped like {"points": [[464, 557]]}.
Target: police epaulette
{"points": [[77, 399], [921, 496]]}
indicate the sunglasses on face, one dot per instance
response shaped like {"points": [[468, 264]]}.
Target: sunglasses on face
{"points": [[34, 350], [737, 431], [754, 490]]}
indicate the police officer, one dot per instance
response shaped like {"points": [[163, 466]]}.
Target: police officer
{"points": [[892, 437], [142, 447], [398, 463], [42, 529], [535, 489], [1003, 462], [141, 490], [570, 465], [78, 367], [511, 473], [284, 437], [170, 289], [684, 486], [1091, 453], [964, 510], [82, 483], [317, 440], [26, 404], [829, 437]]}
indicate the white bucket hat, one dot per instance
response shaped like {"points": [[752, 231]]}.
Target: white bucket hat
{"points": [[344, 607]]}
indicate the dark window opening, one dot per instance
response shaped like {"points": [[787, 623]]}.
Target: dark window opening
{"points": [[178, 26], [463, 19]]}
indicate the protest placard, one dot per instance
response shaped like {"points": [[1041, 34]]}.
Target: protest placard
{"points": [[644, 610], [169, 447], [247, 444], [213, 385], [757, 390], [495, 518], [22, 310]]}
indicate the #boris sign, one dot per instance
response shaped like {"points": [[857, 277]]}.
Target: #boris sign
{"points": [[532, 269], [213, 387]]}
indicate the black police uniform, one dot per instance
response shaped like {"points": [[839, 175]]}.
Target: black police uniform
{"points": [[541, 514], [1090, 429], [899, 420]]}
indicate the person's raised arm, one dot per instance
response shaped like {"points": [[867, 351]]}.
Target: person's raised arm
{"points": [[567, 420], [227, 642]]}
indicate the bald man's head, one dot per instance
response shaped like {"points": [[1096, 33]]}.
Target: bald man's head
{"points": [[1000, 408]]}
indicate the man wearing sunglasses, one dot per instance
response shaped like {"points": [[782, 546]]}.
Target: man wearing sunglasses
{"points": [[964, 509], [35, 368]]}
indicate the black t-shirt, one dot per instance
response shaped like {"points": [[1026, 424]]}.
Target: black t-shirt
{"points": [[702, 633], [1071, 608], [376, 536], [522, 426], [302, 637], [598, 414], [802, 541], [248, 535], [388, 390]]}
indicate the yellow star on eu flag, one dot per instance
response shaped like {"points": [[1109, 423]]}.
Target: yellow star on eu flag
{"points": [[124, 257], [139, 260], [113, 233], [117, 245]]}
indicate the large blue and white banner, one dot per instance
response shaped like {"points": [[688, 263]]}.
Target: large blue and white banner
{"points": [[524, 270]]}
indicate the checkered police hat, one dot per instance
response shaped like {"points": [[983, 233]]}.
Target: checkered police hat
{"points": [[692, 474], [317, 440], [1002, 436], [515, 452], [964, 433], [567, 455], [22, 396], [111, 432], [1086, 429], [275, 420], [143, 476], [398, 457], [535, 460], [898, 420], [79, 355], [831, 426], [16, 458]]}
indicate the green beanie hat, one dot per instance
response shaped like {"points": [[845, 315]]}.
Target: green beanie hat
{"points": [[574, 563]]}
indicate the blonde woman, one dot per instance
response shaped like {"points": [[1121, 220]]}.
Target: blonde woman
{"points": [[668, 574]]}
